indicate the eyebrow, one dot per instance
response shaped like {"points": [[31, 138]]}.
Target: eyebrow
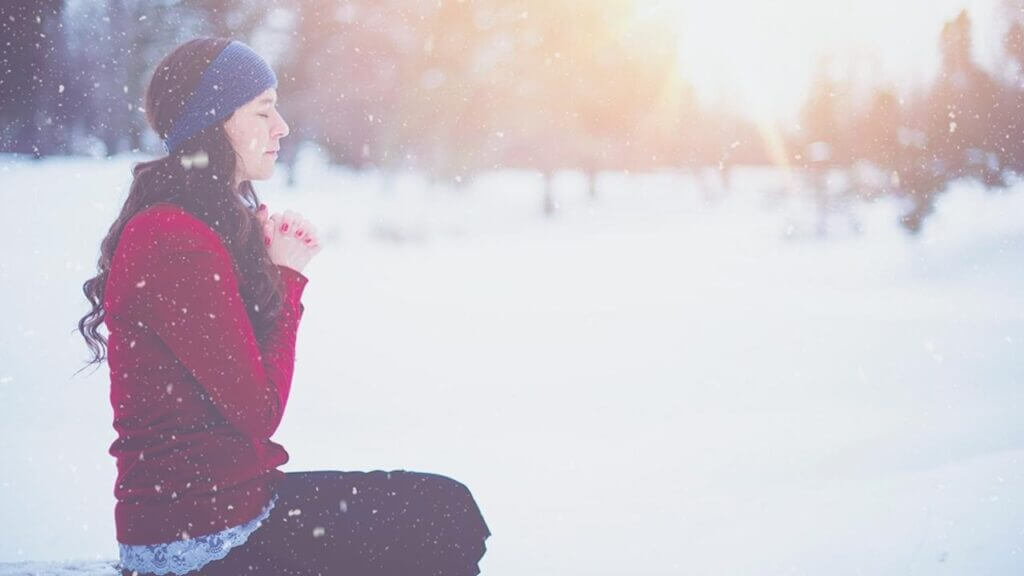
{"points": [[266, 100]]}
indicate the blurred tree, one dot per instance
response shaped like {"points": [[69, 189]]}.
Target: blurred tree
{"points": [[115, 45], [444, 118], [1013, 43], [822, 128], [584, 86], [138, 35], [963, 110], [343, 78], [235, 19], [823, 144], [310, 78], [964, 128], [1012, 107], [575, 110], [33, 81], [877, 139]]}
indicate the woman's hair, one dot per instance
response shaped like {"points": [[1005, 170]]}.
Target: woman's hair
{"points": [[198, 177]]}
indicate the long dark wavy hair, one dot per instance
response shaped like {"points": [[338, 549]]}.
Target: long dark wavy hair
{"points": [[203, 189]]}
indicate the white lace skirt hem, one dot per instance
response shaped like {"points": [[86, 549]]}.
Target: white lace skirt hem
{"points": [[184, 556]]}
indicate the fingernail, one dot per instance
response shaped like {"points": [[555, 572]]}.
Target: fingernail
{"points": [[262, 207], [298, 233], [266, 240], [284, 227]]}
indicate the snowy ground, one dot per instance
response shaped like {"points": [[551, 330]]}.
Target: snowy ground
{"points": [[652, 383]]}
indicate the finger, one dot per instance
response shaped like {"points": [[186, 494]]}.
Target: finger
{"points": [[295, 219], [286, 223], [268, 232]]}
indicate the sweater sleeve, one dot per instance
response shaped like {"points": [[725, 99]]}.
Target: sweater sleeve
{"points": [[195, 307], [279, 347]]}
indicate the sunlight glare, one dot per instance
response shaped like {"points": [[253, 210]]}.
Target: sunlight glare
{"points": [[760, 57]]}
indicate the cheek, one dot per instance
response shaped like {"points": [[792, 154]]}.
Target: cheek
{"points": [[251, 143], [241, 140]]}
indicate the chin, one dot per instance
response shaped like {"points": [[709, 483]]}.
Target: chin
{"points": [[263, 175], [268, 171]]}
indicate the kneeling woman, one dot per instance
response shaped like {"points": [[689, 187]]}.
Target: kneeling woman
{"points": [[200, 290]]}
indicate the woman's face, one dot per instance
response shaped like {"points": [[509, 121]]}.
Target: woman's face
{"points": [[255, 131]]}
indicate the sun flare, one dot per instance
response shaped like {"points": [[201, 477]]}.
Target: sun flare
{"points": [[760, 57]]}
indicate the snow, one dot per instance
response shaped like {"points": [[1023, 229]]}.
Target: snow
{"points": [[69, 568], [665, 380]]}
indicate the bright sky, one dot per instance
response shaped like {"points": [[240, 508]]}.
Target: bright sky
{"points": [[759, 55]]}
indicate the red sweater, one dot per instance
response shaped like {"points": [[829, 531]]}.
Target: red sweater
{"points": [[195, 397]]}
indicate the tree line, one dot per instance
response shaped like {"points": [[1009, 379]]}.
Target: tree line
{"points": [[453, 88]]}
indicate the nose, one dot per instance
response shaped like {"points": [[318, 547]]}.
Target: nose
{"points": [[282, 127]]}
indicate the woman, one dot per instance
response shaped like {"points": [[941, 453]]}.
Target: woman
{"points": [[201, 291]]}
